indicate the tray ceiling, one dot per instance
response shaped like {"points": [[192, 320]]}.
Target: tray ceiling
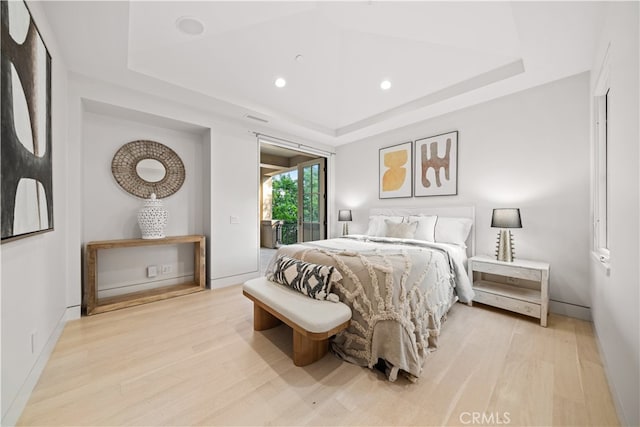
{"points": [[438, 56]]}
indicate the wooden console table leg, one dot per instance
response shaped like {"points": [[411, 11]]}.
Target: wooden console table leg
{"points": [[262, 319], [90, 298], [307, 351]]}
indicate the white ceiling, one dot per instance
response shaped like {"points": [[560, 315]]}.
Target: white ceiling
{"points": [[439, 56]]}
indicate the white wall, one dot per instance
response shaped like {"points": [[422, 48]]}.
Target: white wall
{"points": [[34, 271], [615, 296], [235, 207], [109, 212], [230, 175], [528, 150]]}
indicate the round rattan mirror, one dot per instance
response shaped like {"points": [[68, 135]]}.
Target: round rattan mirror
{"points": [[143, 167]]}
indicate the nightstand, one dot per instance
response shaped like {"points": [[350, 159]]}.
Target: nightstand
{"points": [[521, 286]]}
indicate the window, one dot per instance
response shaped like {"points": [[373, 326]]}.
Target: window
{"points": [[285, 205], [601, 164]]}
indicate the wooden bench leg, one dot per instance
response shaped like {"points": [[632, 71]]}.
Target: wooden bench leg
{"points": [[262, 319], [307, 351]]}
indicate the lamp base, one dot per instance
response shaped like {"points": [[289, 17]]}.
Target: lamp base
{"points": [[504, 250], [345, 229]]}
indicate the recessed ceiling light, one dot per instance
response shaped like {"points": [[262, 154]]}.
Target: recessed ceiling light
{"points": [[280, 82], [189, 25], [299, 58], [385, 85]]}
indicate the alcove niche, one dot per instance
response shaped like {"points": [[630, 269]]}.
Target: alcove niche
{"points": [[109, 212]]}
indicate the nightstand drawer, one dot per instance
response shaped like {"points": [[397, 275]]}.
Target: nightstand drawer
{"points": [[507, 303], [507, 270]]}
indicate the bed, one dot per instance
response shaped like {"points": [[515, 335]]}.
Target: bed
{"points": [[400, 278]]}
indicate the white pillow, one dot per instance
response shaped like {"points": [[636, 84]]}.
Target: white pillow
{"points": [[377, 226], [403, 230], [426, 227], [453, 230]]}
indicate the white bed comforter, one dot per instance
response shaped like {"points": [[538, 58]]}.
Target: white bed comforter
{"points": [[399, 291]]}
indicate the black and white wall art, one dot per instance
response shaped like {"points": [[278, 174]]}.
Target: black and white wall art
{"points": [[26, 169]]}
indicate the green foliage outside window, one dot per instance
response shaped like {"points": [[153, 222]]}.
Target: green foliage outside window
{"points": [[285, 203], [310, 195], [285, 198]]}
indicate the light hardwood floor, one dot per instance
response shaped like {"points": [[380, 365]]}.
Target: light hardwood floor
{"points": [[195, 360]]}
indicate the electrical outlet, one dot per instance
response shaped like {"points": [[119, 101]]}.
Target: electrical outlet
{"points": [[513, 280], [152, 271], [166, 269]]}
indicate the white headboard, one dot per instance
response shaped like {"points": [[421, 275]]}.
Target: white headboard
{"points": [[450, 211]]}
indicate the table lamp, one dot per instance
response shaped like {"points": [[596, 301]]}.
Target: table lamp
{"points": [[345, 216], [505, 218]]}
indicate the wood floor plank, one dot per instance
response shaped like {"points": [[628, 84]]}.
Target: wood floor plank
{"points": [[598, 400], [195, 360]]}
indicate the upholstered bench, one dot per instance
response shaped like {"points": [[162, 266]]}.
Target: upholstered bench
{"points": [[313, 321]]}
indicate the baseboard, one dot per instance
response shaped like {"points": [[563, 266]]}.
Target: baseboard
{"points": [[127, 287], [570, 310], [223, 282], [17, 406], [73, 313], [614, 394]]}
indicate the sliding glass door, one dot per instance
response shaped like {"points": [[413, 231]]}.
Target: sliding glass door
{"points": [[312, 200]]}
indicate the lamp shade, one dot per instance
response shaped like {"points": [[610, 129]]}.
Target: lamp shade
{"points": [[344, 215], [506, 218]]}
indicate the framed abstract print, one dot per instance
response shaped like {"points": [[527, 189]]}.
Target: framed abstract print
{"points": [[436, 165], [395, 176]]}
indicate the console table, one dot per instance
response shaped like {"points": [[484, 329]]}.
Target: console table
{"points": [[94, 305]]}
